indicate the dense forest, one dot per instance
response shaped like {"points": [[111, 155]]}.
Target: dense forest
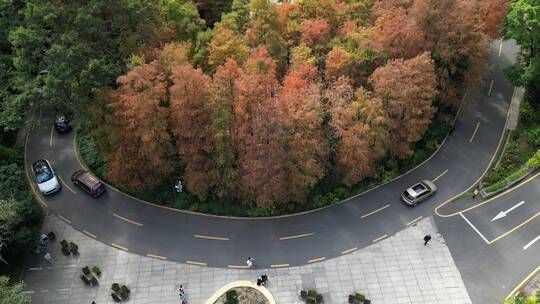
{"points": [[258, 102]]}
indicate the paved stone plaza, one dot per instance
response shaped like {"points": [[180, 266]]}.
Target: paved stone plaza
{"points": [[398, 269]]}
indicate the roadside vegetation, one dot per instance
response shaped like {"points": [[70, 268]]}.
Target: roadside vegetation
{"points": [[523, 149], [20, 217], [520, 152]]}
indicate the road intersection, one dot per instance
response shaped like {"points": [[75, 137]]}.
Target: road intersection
{"points": [[131, 225]]}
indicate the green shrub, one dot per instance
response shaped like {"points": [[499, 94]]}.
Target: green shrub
{"points": [[231, 297], [534, 162], [96, 270], [496, 186], [533, 136]]}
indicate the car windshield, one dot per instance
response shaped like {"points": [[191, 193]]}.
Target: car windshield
{"points": [[419, 188], [408, 195], [43, 173]]}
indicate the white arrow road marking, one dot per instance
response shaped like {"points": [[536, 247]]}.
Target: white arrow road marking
{"points": [[504, 213], [531, 242], [479, 233]]}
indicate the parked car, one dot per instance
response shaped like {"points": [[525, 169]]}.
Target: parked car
{"points": [[62, 124], [88, 182], [45, 177], [418, 192]]}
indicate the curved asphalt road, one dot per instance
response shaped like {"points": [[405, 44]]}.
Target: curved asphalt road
{"points": [[179, 236]]}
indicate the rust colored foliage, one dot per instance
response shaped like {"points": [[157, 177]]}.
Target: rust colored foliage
{"points": [[398, 34], [142, 155], [314, 31], [258, 134], [492, 14], [306, 147], [336, 63], [221, 119], [359, 125], [189, 124], [407, 89], [454, 34]]}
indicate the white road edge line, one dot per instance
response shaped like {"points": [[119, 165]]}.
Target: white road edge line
{"points": [[500, 48], [531, 242], [479, 233]]}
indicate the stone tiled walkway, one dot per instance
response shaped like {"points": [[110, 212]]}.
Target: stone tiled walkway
{"points": [[398, 269]]}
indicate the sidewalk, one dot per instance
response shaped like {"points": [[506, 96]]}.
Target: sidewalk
{"points": [[398, 269]]}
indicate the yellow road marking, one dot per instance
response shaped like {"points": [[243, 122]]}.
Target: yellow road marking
{"points": [[436, 210], [490, 87], [89, 234], [66, 185], [316, 260], [155, 256], [210, 237], [50, 139], [500, 49], [127, 220], [514, 229], [415, 220], [296, 236], [64, 219], [375, 211], [119, 247], [379, 238], [518, 287], [474, 133], [349, 250], [238, 266], [279, 265], [440, 175], [196, 263]]}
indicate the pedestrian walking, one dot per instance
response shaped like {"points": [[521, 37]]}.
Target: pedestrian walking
{"points": [[262, 280], [182, 295], [475, 193], [250, 262], [427, 238], [48, 258]]}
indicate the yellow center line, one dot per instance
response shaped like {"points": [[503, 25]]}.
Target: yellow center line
{"points": [[514, 229], [119, 247], [51, 138], [375, 211], [474, 133], [210, 237], [156, 256], [440, 175], [490, 87], [196, 263], [316, 260], [66, 185], [89, 234], [127, 220], [500, 49], [64, 219], [238, 266], [379, 238], [279, 265], [414, 221], [349, 250], [296, 236]]}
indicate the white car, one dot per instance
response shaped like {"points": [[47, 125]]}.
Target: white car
{"points": [[45, 177]]}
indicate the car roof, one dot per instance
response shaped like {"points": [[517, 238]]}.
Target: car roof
{"points": [[87, 178], [417, 189]]}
